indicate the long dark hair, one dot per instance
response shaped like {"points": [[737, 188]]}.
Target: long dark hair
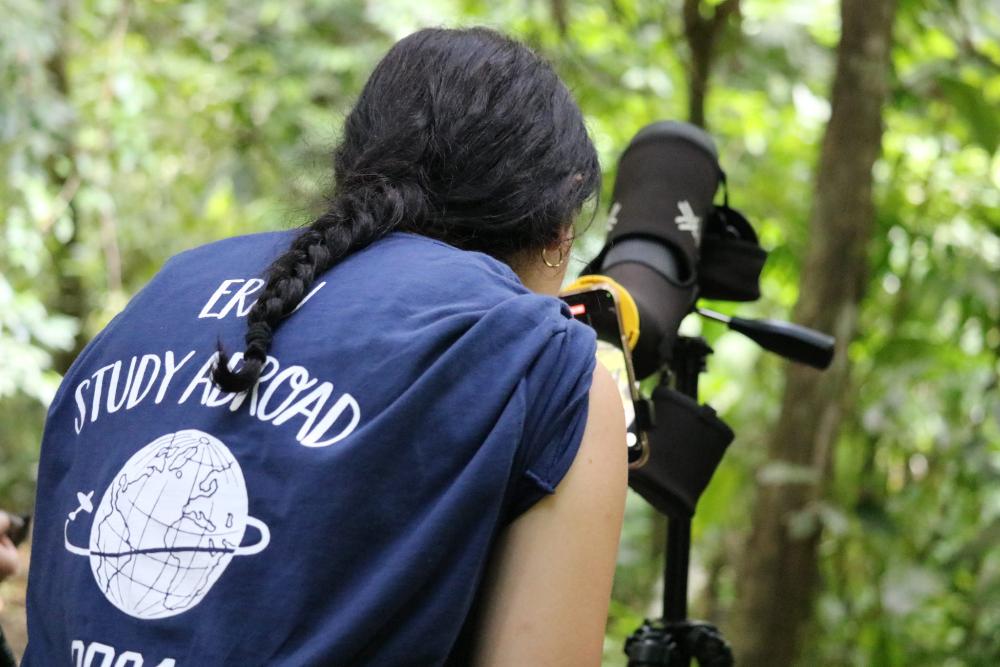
{"points": [[466, 136]]}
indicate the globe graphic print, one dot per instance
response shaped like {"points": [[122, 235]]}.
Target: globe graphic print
{"points": [[169, 524]]}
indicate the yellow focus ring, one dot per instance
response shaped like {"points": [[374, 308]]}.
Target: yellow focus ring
{"points": [[628, 313]]}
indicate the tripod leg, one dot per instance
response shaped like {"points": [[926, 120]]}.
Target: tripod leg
{"points": [[675, 579]]}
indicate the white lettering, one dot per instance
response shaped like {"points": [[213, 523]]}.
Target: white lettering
{"points": [[240, 297], [279, 396], [107, 654], [95, 410], [83, 655], [202, 377], [319, 285], [223, 290], [298, 379], [343, 403], [310, 406], [111, 406], [265, 375], [169, 370], [225, 300], [136, 394], [81, 406], [129, 658]]}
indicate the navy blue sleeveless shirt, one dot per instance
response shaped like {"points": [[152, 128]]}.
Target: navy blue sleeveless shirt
{"points": [[339, 513]]}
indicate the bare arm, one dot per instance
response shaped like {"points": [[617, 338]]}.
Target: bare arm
{"points": [[549, 583]]}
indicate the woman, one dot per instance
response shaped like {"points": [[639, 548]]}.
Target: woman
{"points": [[8, 566], [371, 477]]}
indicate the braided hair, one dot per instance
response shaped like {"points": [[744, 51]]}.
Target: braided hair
{"points": [[465, 136]]}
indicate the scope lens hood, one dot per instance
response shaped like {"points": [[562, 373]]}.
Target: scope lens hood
{"points": [[670, 130]]}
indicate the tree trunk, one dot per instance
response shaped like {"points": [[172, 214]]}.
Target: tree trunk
{"points": [[701, 32], [778, 576], [560, 16]]}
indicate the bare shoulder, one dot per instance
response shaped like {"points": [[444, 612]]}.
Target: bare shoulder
{"points": [[549, 583], [606, 417]]}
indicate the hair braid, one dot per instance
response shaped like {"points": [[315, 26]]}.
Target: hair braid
{"points": [[464, 135], [355, 219]]}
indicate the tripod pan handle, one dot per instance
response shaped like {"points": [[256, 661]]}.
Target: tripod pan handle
{"points": [[792, 341]]}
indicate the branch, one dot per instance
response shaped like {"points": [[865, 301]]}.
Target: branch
{"points": [[63, 199], [560, 15], [701, 34]]}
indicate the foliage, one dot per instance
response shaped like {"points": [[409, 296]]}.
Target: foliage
{"points": [[130, 131]]}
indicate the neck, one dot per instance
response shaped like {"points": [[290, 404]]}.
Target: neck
{"points": [[536, 276]]}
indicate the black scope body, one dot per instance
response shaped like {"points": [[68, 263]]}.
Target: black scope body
{"points": [[667, 180]]}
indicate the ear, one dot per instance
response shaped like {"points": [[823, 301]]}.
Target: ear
{"points": [[565, 239]]}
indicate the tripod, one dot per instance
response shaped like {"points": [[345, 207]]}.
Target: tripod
{"points": [[674, 640], [684, 453]]}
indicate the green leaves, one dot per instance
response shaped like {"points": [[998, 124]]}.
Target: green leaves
{"points": [[979, 114], [181, 123]]}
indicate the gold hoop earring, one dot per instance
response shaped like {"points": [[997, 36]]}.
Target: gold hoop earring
{"points": [[562, 258]]}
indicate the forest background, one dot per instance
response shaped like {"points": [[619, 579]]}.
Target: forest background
{"points": [[860, 138]]}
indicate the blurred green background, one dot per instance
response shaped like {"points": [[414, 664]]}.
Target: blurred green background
{"points": [[130, 131]]}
